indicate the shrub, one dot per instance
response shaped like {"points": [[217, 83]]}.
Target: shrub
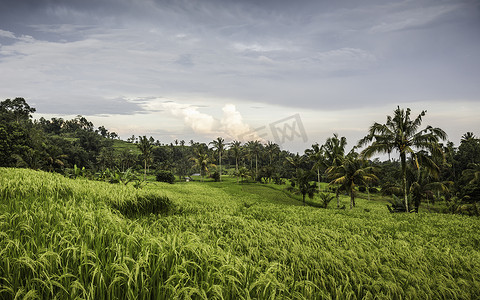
{"points": [[326, 198], [362, 189], [165, 176], [215, 176], [373, 190], [278, 180]]}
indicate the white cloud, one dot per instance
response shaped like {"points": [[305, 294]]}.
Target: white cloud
{"points": [[200, 122], [7, 34], [409, 18], [231, 124], [234, 126]]}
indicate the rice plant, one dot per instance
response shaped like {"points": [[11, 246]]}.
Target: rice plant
{"points": [[73, 238]]}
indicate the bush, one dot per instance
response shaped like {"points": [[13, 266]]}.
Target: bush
{"points": [[326, 198], [215, 176], [165, 176], [144, 205], [362, 189], [278, 180], [373, 190]]}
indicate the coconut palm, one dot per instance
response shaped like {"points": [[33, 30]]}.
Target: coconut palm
{"points": [[145, 146], [272, 149], [472, 174], [316, 155], [202, 161], [402, 134], [219, 147], [334, 151], [302, 180], [254, 147], [236, 148], [425, 185], [351, 173], [295, 161]]}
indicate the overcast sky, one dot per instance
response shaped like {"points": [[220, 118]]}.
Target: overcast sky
{"points": [[202, 69]]}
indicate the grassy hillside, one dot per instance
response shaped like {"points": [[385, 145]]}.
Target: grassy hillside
{"points": [[94, 240]]}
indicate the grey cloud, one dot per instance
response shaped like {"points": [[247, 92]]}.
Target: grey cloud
{"points": [[185, 60], [316, 54], [84, 105]]}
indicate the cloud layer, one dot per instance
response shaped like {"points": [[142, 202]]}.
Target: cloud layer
{"points": [[97, 57]]}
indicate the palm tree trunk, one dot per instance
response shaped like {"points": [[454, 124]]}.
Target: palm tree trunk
{"points": [[352, 200], [256, 167], [404, 175], [318, 179], [338, 197], [220, 175], [145, 173], [303, 199], [236, 167]]}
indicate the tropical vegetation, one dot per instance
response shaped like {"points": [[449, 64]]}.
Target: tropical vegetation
{"points": [[84, 214]]}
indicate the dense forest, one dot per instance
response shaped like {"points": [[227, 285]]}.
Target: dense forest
{"points": [[423, 166]]}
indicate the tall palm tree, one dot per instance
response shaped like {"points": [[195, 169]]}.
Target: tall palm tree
{"points": [[316, 155], [334, 151], [295, 161], [236, 148], [254, 148], [302, 180], [272, 149], [350, 173], [145, 146], [219, 147], [402, 134]]}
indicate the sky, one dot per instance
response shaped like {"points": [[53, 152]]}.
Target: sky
{"points": [[292, 72]]}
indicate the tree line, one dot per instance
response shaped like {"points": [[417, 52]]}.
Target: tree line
{"points": [[422, 166]]}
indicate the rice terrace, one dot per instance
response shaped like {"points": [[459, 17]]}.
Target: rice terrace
{"points": [[135, 224]]}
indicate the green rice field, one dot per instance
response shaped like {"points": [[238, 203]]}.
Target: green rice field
{"points": [[78, 239]]}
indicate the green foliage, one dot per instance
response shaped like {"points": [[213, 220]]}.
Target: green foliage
{"points": [[326, 198], [401, 133], [60, 238], [215, 176], [165, 176]]}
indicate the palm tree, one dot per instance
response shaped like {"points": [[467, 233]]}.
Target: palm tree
{"points": [[202, 160], [295, 161], [302, 181], [145, 146], [254, 148], [468, 136], [334, 151], [425, 184], [316, 155], [472, 174], [401, 134], [272, 149], [236, 148], [243, 173], [219, 147], [350, 173]]}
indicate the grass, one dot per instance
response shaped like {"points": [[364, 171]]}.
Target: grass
{"points": [[64, 238]]}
